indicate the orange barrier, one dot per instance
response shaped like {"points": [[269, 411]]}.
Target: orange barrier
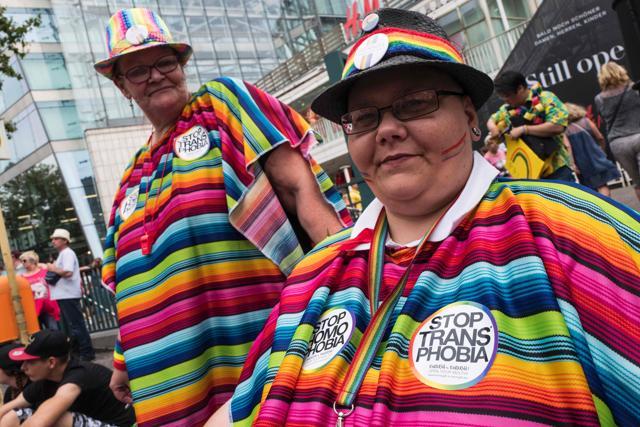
{"points": [[8, 325]]}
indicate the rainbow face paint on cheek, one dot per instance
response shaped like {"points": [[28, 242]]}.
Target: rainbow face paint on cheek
{"points": [[455, 149]]}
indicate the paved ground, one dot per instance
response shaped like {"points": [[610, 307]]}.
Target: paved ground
{"points": [[627, 196]]}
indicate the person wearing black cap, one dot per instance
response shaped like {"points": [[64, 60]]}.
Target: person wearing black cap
{"points": [[458, 298], [10, 373], [64, 391]]}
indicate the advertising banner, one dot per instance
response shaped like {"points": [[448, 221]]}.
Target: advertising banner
{"points": [[564, 47]]}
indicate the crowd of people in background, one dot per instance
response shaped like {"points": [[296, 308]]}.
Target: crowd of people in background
{"points": [[57, 290], [564, 136]]}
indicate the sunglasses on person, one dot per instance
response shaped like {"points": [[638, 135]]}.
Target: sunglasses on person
{"points": [[141, 73], [408, 107]]}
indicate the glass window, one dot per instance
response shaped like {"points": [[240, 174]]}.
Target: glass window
{"points": [[12, 88], [47, 32], [176, 26], [28, 136], [213, 6], [515, 9], [208, 70], [79, 178], [150, 4], [230, 69], [169, 7], [494, 13], [222, 42], [477, 33], [451, 23], [46, 71], [471, 13], [60, 119], [254, 7], [233, 4], [35, 203], [272, 7]]}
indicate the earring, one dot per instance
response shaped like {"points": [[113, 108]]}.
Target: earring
{"points": [[476, 132], [131, 103]]}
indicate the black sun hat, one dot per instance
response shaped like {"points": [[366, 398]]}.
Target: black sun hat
{"points": [[401, 38]]}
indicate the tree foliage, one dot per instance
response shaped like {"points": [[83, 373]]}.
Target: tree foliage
{"points": [[12, 41], [36, 201]]}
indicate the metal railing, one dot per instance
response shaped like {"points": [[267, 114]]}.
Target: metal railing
{"points": [[98, 304], [490, 55], [328, 130], [303, 62]]}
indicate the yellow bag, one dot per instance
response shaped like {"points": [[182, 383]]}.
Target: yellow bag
{"points": [[522, 162]]}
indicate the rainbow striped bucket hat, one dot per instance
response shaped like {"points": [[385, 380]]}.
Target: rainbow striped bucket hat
{"points": [[132, 30], [401, 38]]}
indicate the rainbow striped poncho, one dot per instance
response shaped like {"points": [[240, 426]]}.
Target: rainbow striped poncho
{"points": [[527, 313], [222, 246]]}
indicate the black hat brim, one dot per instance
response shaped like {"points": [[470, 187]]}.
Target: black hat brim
{"points": [[332, 103]]}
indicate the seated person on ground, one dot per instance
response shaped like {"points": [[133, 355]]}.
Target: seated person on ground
{"points": [[64, 391]]}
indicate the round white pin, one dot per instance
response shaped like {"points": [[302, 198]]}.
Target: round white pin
{"points": [[128, 204], [331, 334], [137, 34], [455, 347], [370, 22], [192, 144], [371, 51]]}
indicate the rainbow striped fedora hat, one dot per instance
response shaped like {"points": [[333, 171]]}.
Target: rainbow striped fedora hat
{"points": [[132, 30], [401, 38]]}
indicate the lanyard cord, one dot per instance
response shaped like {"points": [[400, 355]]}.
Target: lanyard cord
{"points": [[146, 241], [372, 337]]}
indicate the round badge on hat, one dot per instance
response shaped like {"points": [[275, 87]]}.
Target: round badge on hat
{"points": [[137, 34], [371, 51], [370, 22]]}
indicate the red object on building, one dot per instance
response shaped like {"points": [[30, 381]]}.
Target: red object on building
{"points": [[353, 24]]}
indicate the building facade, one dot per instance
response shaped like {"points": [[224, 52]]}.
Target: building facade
{"points": [[484, 30], [49, 177]]}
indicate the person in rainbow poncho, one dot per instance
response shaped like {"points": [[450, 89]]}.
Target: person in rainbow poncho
{"points": [[200, 239], [457, 298]]}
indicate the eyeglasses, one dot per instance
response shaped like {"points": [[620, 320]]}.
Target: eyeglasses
{"points": [[141, 73], [408, 107]]}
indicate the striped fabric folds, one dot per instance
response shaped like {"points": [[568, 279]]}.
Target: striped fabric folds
{"points": [[222, 245], [557, 268]]}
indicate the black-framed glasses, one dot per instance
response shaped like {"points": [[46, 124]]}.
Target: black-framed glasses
{"points": [[141, 73], [408, 107]]}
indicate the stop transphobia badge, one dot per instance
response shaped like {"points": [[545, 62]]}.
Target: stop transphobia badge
{"points": [[455, 347]]}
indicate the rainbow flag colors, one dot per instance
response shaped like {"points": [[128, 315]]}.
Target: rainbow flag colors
{"points": [[221, 247], [402, 41], [527, 314]]}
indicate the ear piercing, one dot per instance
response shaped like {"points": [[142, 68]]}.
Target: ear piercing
{"points": [[476, 132]]}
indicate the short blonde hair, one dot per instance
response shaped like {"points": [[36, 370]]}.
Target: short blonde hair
{"points": [[612, 76], [576, 112], [30, 255]]}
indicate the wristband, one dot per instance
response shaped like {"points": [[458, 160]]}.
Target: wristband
{"points": [[526, 130], [118, 357]]}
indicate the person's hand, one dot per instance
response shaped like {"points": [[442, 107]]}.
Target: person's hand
{"points": [[119, 385], [517, 132], [51, 267]]}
